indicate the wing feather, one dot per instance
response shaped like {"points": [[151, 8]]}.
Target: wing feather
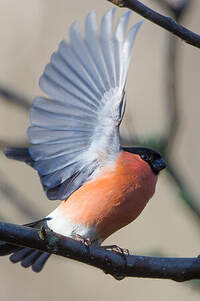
{"points": [[76, 131], [60, 108], [44, 119], [84, 57], [43, 151], [47, 166], [94, 49], [75, 63], [58, 177], [38, 135]]}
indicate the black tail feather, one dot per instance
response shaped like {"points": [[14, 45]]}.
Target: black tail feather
{"points": [[31, 258], [19, 154], [20, 254], [40, 262], [27, 256], [7, 249]]}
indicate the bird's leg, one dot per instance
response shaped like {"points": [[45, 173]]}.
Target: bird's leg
{"points": [[43, 231]]}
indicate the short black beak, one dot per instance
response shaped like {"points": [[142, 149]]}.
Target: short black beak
{"points": [[158, 165]]}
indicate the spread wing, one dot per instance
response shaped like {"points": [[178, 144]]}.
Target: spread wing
{"points": [[75, 131]]}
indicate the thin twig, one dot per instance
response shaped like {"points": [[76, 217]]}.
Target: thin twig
{"points": [[165, 22], [171, 77], [165, 145], [178, 269], [176, 9], [173, 101], [164, 4], [14, 98], [185, 193], [16, 198]]}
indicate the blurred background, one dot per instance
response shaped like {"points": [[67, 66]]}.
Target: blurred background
{"points": [[162, 111]]}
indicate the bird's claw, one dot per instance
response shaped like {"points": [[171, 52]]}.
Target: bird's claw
{"points": [[117, 249], [85, 241], [123, 253], [43, 231]]}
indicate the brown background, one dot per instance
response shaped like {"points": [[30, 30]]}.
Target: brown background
{"points": [[29, 32]]}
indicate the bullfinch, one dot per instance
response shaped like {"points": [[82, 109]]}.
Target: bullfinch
{"points": [[75, 142]]}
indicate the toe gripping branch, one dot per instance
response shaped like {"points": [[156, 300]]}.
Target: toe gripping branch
{"points": [[110, 268], [118, 273], [111, 259]]}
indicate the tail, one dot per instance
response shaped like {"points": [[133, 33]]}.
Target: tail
{"points": [[19, 154], [27, 256]]}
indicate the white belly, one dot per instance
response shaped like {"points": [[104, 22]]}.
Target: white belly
{"points": [[63, 225]]}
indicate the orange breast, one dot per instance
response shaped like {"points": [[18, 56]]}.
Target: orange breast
{"points": [[115, 198]]}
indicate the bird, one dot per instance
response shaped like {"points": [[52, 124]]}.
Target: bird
{"points": [[75, 142]]}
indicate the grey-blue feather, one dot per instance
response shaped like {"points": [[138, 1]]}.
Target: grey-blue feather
{"points": [[75, 131]]}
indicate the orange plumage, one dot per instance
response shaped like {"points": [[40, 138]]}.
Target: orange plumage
{"points": [[114, 198]]}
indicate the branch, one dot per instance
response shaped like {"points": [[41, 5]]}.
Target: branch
{"points": [[14, 98], [185, 193], [165, 145], [177, 9], [165, 22], [16, 198], [7, 143], [178, 269], [171, 76], [172, 95]]}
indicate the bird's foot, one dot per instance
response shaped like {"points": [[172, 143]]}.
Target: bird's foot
{"points": [[86, 241], [43, 232], [122, 252]]}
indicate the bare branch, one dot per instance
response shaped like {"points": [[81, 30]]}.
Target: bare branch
{"points": [[172, 95], [16, 198], [171, 76], [173, 104], [7, 143], [165, 144], [186, 194], [176, 8], [178, 269], [165, 22], [14, 98]]}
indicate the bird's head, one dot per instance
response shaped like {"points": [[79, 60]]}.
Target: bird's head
{"points": [[152, 157]]}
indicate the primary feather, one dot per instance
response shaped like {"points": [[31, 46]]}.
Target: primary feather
{"points": [[76, 131]]}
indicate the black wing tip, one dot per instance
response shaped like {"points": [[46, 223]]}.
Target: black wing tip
{"points": [[19, 154]]}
